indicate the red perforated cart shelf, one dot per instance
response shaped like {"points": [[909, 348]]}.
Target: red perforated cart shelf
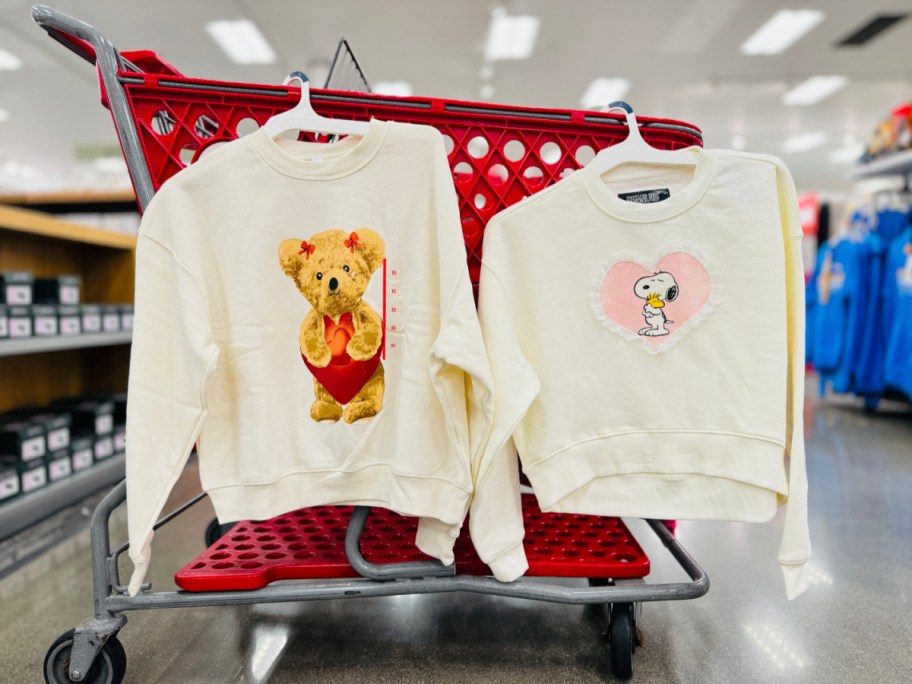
{"points": [[310, 544]]}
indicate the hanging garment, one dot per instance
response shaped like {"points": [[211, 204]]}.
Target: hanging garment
{"points": [[304, 315], [646, 334], [897, 314]]}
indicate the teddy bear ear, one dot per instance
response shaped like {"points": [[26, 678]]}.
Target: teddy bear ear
{"points": [[289, 257], [372, 248]]}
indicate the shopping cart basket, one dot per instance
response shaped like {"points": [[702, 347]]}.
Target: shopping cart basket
{"points": [[499, 155]]}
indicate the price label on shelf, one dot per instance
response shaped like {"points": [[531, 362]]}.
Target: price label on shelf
{"points": [[4, 327]]}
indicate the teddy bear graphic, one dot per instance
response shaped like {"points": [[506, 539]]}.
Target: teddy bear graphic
{"points": [[341, 336], [657, 289]]}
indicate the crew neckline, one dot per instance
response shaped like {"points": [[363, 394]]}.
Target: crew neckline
{"points": [[341, 158], [633, 212]]}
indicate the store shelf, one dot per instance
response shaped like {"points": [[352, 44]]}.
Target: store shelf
{"points": [[75, 202], [37, 345], [898, 164], [38, 223], [33, 507]]}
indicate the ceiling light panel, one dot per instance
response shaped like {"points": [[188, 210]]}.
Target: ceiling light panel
{"points": [[603, 91], [510, 37], [783, 30], [394, 88], [803, 142], [814, 90], [9, 61], [242, 41]]}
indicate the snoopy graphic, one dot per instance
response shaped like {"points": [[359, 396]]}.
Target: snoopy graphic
{"points": [[657, 289]]}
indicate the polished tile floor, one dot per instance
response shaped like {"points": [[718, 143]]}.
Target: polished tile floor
{"points": [[854, 625]]}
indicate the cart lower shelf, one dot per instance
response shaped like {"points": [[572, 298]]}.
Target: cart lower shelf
{"points": [[310, 544]]}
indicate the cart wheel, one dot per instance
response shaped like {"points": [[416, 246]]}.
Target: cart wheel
{"points": [[216, 531], [622, 640], [109, 667]]}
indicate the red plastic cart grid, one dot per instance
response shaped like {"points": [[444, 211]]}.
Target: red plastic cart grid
{"points": [[499, 155]]}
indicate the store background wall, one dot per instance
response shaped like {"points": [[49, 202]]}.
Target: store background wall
{"points": [[682, 59]]}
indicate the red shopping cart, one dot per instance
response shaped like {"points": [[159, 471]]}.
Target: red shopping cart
{"points": [[499, 155]]}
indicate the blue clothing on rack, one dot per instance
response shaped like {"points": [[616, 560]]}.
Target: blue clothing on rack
{"points": [[898, 314], [839, 316], [869, 375]]}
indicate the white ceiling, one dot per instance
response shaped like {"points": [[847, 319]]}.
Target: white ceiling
{"points": [[682, 57]]}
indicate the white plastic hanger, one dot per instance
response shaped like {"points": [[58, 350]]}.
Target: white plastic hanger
{"points": [[634, 150], [302, 116]]}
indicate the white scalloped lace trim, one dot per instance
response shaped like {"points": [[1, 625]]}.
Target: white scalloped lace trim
{"points": [[715, 298]]}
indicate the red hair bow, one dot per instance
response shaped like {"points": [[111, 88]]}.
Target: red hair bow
{"points": [[352, 242], [307, 249]]}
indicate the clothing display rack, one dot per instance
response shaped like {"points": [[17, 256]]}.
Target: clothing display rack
{"points": [[499, 155]]}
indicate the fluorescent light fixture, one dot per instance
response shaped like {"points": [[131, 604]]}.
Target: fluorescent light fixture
{"points": [[4, 115], [241, 40], [738, 142], [604, 91], [486, 91], [783, 30], [814, 90], [396, 88], [510, 37], [9, 61], [847, 154], [802, 142]]}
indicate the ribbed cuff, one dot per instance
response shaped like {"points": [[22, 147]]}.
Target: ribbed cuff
{"points": [[436, 539], [509, 565], [796, 577]]}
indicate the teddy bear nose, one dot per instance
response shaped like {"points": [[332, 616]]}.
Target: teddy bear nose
{"points": [[333, 284]]}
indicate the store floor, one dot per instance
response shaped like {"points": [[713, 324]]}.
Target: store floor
{"points": [[853, 625]]}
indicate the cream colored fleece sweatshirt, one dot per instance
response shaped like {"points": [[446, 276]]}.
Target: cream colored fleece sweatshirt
{"points": [[304, 315], [647, 355]]}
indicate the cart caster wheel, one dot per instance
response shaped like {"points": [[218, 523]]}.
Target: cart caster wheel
{"points": [[216, 531], [622, 640], [109, 667]]}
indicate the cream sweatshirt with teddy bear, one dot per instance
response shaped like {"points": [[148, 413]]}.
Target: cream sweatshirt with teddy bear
{"points": [[304, 316]]}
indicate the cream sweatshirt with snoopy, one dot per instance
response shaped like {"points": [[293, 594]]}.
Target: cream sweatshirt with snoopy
{"points": [[304, 315], [648, 353]]}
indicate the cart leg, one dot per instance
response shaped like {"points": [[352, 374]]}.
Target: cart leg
{"points": [[89, 639]]}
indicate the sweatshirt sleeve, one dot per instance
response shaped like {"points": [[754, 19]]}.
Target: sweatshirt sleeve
{"points": [[459, 365], [495, 519], [795, 548], [172, 356]]}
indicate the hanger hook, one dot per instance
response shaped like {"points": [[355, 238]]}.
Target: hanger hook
{"points": [[633, 128], [296, 76]]}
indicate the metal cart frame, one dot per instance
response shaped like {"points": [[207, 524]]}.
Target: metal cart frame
{"points": [[74, 655]]}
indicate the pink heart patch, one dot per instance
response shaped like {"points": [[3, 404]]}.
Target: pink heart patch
{"points": [[659, 305]]}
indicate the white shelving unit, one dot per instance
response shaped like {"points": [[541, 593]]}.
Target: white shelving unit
{"points": [[37, 345], [899, 164]]}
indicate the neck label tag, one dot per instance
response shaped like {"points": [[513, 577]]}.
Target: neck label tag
{"points": [[646, 196]]}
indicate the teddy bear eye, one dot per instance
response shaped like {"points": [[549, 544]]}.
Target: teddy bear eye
{"points": [[346, 268], [319, 276]]}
